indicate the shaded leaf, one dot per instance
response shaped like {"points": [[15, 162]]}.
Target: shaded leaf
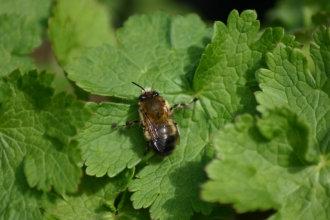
{"points": [[35, 130], [94, 200]]}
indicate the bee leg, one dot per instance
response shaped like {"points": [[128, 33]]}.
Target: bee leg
{"points": [[148, 148], [183, 104], [127, 124], [146, 151], [130, 123]]}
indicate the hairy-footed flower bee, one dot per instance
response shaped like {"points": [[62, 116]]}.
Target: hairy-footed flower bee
{"points": [[161, 132]]}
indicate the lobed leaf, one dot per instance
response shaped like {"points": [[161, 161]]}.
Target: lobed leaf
{"points": [[17, 40], [36, 12], [94, 200], [258, 161], [36, 129], [294, 86], [72, 31], [152, 53], [177, 42], [162, 51], [223, 91], [281, 160], [105, 150], [224, 79]]}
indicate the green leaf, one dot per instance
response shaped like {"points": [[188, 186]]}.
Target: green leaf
{"points": [[17, 40], [178, 41], [126, 210], [72, 31], [36, 131], [292, 85], [218, 212], [5, 92], [258, 161], [36, 12], [280, 161], [162, 52], [105, 150], [170, 186], [224, 79], [95, 198]]}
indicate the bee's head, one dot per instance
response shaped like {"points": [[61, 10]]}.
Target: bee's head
{"points": [[146, 93]]}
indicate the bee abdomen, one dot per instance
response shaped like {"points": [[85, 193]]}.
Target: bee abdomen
{"points": [[166, 141]]}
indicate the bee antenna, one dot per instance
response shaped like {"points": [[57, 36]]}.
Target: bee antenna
{"points": [[139, 86]]}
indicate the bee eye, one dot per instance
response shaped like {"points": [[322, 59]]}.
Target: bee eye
{"points": [[154, 94], [142, 97]]}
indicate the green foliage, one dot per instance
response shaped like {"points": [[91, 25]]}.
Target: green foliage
{"points": [[107, 150], [72, 31], [218, 212], [37, 149], [247, 151], [36, 12], [17, 40], [224, 79], [280, 159], [95, 199], [167, 50], [274, 155]]}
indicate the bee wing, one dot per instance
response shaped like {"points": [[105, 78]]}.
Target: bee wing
{"points": [[154, 134], [177, 133]]}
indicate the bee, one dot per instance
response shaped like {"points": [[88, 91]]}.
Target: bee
{"points": [[161, 132]]}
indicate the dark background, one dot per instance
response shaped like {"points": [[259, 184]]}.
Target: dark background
{"points": [[219, 10]]}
